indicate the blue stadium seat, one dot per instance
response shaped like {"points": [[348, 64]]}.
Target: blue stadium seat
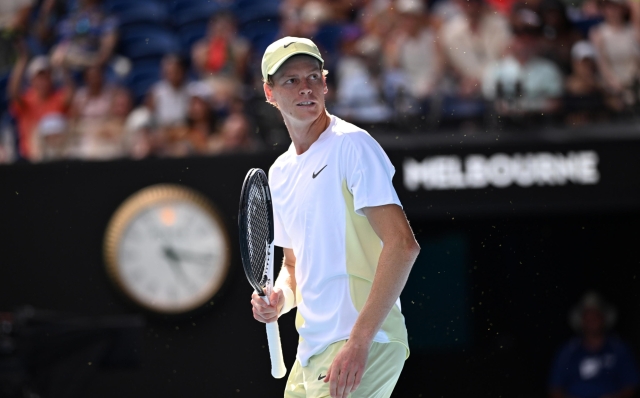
{"points": [[143, 75], [4, 81], [138, 12], [260, 33], [184, 12], [250, 10], [153, 41], [191, 33], [328, 38]]}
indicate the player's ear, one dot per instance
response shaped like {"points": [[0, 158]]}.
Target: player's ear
{"points": [[325, 89], [268, 93]]}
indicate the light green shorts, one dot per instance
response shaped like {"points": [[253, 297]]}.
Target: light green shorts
{"points": [[381, 373]]}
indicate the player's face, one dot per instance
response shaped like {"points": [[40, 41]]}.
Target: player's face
{"points": [[298, 89]]}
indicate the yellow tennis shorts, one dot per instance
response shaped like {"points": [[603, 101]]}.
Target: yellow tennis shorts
{"points": [[381, 373]]}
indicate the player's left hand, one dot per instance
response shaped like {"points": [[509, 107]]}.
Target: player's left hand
{"points": [[347, 368]]}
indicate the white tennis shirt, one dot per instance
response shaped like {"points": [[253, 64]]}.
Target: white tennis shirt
{"points": [[318, 198]]}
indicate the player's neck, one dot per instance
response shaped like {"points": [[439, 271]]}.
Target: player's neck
{"points": [[303, 135]]}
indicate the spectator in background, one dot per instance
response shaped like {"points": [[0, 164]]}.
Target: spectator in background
{"points": [[50, 14], [618, 47], [87, 37], [529, 83], [558, 34], [594, 364], [222, 53], [233, 136], [53, 138], [101, 136], [140, 132], [584, 93], [412, 55], [90, 108], [169, 97], [14, 16], [93, 99], [472, 41], [359, 92], [39, 99], [584, 79], [192, 138]]}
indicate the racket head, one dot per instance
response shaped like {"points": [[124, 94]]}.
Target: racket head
{"points": [[255, 227]]}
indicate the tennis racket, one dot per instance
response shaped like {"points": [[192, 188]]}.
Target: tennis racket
{"points": [[255, 222]]}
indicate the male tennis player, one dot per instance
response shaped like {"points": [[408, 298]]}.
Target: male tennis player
{"points": [[348, 247]]}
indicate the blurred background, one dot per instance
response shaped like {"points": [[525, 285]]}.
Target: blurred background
{"points": [[514, 127]]}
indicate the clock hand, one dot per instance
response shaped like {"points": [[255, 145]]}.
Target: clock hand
{"points": [[194, 258], [174, 264]]}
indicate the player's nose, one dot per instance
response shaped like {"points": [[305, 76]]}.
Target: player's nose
{"points": [[305, 89]]}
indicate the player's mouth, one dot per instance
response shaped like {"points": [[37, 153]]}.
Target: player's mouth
{"points": [[306, 103]]}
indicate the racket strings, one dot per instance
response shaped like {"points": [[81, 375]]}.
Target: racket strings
{"points": [[257, 232]]}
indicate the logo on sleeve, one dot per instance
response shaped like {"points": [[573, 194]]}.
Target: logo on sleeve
{"points": [[316, 174]]}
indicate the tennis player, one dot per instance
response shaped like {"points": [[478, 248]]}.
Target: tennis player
{"points": [[348, 247]]}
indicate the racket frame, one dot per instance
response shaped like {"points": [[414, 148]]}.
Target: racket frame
{"points": [[263, 287]]}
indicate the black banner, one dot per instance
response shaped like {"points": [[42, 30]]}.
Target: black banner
{"points": [[519, 179]]}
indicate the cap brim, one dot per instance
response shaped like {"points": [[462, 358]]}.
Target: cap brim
{"points": [[278, 64]]}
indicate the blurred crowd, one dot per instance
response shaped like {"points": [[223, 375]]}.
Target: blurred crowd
{"points": [[108, 79]]}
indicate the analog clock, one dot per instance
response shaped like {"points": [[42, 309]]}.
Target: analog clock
{"points": [[167, 249]]}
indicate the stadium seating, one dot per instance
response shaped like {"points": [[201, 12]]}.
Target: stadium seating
{"points": [[149, 41], [191, 33], [185, 12], [251, 10], [143, 75], [139, 12]]}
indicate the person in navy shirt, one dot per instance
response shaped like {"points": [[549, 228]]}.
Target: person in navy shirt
{"points": [[594, 364]]}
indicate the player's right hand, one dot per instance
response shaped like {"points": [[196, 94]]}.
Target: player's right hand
{"points": [[267, 313]]}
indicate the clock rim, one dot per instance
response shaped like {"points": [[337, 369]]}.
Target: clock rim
{"points": [[124, 215]]}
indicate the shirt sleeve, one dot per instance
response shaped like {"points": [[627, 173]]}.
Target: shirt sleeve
{"points": [[280, 236], [368, 172]]}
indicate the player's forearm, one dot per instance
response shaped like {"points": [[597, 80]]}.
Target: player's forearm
{"points": [[392, 273], [287, 277], [286, 282]]}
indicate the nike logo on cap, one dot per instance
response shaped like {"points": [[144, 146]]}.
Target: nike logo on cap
{"points": [[316, 174], [287, 45]]}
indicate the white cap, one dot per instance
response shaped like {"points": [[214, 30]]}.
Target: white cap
{"points": [[410, 6], [281, 50], [200, 90], [37, 65], [583, 49], [53, 123]]}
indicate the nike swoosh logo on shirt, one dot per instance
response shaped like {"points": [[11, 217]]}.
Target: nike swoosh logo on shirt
{"points": [[320, 376], [316, 174]]}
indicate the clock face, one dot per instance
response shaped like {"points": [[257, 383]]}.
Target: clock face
{"points": [[167, 250]]}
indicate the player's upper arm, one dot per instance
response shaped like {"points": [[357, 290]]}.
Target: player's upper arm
{"points": [[391, 226], [289, 257]]}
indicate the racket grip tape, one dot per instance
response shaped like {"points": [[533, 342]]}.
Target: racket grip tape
{"points": [[278, 369]]}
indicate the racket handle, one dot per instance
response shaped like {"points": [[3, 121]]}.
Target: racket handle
{"points": [[278, 369]]}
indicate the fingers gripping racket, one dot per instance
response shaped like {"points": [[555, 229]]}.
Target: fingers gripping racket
{"points": [[255, 221]]}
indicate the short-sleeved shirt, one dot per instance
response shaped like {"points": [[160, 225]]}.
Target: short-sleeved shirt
{"points": [[29, 110], [584, 374], [171, 103], [318, 198]]}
